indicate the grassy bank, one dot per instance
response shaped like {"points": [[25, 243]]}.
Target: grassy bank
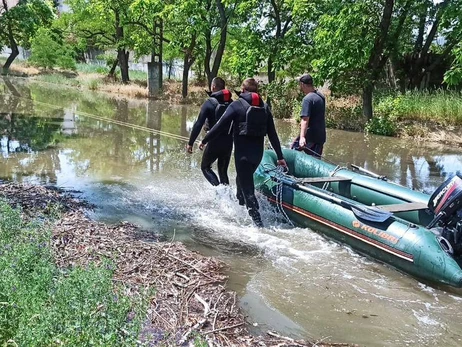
{"points": [[65, 306]]}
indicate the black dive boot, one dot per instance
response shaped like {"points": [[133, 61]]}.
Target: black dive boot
{"points": [[256, 217], [254, 212]]}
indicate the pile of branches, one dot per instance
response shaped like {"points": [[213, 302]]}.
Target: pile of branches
{"points": [[190, 297]]}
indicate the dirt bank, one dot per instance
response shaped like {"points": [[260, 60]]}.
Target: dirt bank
{"points": [[190, 297]]}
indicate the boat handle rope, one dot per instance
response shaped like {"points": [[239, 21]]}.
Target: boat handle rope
{"points": [[278, 172], [333, 173]]}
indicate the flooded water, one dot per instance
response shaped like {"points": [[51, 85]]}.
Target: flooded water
{"points": [[128, 158]]}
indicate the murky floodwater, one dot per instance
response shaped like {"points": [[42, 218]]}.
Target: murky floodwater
{"points": [[128, 158]]}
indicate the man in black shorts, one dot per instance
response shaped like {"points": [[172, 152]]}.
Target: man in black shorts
{"points": [[313, 124]]}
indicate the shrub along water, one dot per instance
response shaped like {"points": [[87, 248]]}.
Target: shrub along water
{"points": [[75, 306]]}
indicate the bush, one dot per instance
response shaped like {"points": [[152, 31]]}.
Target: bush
{"points": [[381, 125], [47, 53], [285, 97]]}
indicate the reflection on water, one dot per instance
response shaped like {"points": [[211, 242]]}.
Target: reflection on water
{"points": [[128, 158]]}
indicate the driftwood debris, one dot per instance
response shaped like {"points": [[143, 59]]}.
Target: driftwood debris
{"points": [[190, 297]]}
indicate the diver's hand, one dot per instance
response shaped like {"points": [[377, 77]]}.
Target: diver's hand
{"points": [[282, 162], [201, 146], [302, 142], [189, 149]]}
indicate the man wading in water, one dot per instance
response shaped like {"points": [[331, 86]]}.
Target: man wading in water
{"points": [[220, 148], [251, 120]]}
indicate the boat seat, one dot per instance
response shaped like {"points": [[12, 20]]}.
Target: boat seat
{"points": [[323, 179], [404, 207]]}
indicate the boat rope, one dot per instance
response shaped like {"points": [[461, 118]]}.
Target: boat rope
{"points": [[332, 174], [279, 188], [106, 119]]}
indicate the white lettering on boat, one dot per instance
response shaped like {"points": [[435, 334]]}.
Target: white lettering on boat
{"points": [[371, 230]]}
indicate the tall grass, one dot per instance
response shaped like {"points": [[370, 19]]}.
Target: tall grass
{"points": [[400, 114], [443, 107], [58, 78], [42, 305], [91, 68]]}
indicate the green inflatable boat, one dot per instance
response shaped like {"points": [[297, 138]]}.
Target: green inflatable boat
{"points": [[412, 231]]}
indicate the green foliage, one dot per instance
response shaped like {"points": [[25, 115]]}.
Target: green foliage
{"points": [[47, 52], [91, 68], [345, 113], [275, 31], [381, 125], [285, 97], [440, 107], [453, 76], [24, 20], [75, 307], [93, 84], [344, 38]]}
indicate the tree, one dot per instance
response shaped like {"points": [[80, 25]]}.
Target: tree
{"points": [[20, 23], [439, 31], [353, 42], [103, 24], [146, 18], [217, 17], [274, 34], [183, 28]]}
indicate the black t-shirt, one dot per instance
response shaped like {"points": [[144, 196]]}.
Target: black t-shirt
{"points": [[314, 106]]}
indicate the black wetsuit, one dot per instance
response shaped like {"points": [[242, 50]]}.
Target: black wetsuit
{"points": [[220, 148], [248, 150]]}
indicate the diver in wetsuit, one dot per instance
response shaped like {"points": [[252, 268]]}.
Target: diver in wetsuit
{"points": [[251, 120], [220, 148]]}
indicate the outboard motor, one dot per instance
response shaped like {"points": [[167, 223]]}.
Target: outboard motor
{"points": [[446, 204]]}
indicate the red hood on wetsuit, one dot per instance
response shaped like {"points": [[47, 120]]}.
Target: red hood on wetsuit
{"points": [[222, 96], [233, 114], [254, 99]]}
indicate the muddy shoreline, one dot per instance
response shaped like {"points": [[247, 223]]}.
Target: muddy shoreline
{"points": [[190, 296]]}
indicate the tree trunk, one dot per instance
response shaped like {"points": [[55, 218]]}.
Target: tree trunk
{"points": [[170, 66], [377, 59], [113, 68], [271, 71], [208, 56], [187, 63], [212, 72], [14, 51], [367, 100], [122, 56], [184, 89], [223, 35]]}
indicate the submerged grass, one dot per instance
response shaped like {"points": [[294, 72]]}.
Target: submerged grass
{"points": [[42, 305]]}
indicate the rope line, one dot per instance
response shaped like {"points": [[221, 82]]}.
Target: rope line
{"points": [[105, 119], [332, 174], [278, 193]]}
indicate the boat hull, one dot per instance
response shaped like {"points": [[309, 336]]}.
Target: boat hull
{"points": [[402, 243]]}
